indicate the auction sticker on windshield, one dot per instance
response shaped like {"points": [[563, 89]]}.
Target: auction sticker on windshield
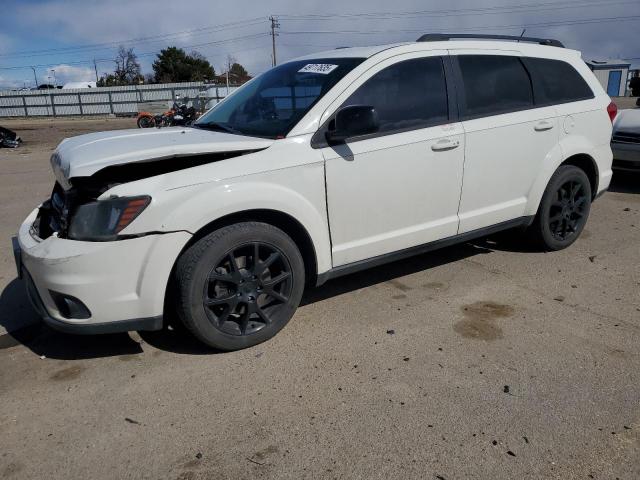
{"points": [[323, 68]]}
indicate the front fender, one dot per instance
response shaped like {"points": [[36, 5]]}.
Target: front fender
{"points": [[298, 192]]}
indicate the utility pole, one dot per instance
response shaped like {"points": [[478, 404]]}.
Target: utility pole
{"points": [[274, 26], [95, 67], [228, 65], [35, 77]]}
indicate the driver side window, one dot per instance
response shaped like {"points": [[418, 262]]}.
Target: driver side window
{"points": [[408, 95]]}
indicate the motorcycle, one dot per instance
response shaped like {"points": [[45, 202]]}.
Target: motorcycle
{"points": [[179, 115]]}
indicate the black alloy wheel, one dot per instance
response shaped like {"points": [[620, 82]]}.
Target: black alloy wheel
{"points": [[239, 285], [247, 287], [564, 209], [568, 211]]}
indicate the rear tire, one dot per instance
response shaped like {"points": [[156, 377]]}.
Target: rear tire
{"points": [[239, 285], [564, 209]]}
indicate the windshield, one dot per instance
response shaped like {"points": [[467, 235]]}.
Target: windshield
{"points": [[272, 104]]}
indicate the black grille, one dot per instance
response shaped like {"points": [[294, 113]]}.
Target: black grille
{"points": [[626, 137], [53, 214]]}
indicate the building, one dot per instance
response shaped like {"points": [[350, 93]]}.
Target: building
{"points": [[612, 75]]}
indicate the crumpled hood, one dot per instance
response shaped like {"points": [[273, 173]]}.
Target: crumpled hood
{"points": [[85, 155], [627, 121]]}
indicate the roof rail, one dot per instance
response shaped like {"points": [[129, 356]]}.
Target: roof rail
{"points": [[439, 37]]}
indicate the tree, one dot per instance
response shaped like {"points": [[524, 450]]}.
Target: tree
{"points": [[174, 65], [237, 73], [108, 80], [127, 70]]}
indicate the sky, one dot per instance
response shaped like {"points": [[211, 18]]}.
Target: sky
{"points": [[67, 35]]}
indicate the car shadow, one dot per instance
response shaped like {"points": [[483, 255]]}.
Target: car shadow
{"points": [[390, 271], [44, 341], [24, 327]]}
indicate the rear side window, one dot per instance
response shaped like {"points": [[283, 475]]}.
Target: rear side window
{"points": [[555, 81], [494, 84], [408, 95]]}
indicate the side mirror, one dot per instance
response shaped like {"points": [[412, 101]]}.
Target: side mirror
{"points": [[352, 121]]}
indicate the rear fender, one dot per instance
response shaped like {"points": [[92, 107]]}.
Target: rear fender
{"points": [[568, 147], [549, 165]]}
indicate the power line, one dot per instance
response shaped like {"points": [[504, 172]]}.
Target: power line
{"points": [[486, 27], [503, 9], [143, 54], [153, 38]]}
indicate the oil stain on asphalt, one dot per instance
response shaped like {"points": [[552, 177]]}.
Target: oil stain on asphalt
{"points": [[69, 373], [436, 286], [479, 323], [399, 285]]}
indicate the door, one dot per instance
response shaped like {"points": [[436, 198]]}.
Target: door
{"points": [[507, 139], [613, 85], [400, 187]]}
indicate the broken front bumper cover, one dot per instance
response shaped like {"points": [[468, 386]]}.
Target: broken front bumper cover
{"points": [[121, 283], [138, 324]]}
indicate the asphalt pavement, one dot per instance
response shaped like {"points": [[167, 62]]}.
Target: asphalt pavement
{"points": [[486, 360]]}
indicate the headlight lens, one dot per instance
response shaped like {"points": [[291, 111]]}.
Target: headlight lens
{"points": [[104, 219]]}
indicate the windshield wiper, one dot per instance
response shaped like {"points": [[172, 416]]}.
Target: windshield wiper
{"points": [[218, 126]]}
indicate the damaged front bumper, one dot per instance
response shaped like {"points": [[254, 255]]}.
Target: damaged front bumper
{"points": [[97, 287]]}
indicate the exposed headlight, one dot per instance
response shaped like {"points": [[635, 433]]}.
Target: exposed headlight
{"points": [[104, 219]]}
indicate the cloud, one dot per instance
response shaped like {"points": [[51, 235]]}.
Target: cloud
{"points": [[9, 83], [6, 43], [79, 22], [69, 73]]}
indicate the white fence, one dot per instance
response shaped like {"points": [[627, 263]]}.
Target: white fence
{"points": [[105, 100]]}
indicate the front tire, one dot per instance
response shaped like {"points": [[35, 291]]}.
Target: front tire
{"points": [[239, 285], [564, 209], [146, 121]]}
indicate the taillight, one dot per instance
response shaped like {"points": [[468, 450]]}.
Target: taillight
{"points": [[612, 110]]}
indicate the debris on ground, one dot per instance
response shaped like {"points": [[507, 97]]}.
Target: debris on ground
{"points": [[9, 138]]}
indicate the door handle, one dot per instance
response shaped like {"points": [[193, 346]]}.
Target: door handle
{"points": [[543, 126], [444, 145]]}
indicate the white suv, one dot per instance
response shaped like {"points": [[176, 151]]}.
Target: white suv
{"points": [[320, 167]]}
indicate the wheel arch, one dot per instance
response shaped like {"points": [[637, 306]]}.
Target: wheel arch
{"points": [[587, 164], [284, 221], [556, 158]]}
